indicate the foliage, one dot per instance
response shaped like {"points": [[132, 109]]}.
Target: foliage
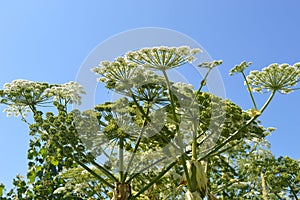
{"points": [[161, 140]]}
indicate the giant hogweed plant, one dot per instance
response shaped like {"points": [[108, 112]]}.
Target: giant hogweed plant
{"points": [[156, 142]]}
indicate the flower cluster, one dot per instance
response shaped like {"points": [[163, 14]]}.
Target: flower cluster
{"points": [[124, 76], [211, 65], [119, 71], [70, 92], [184, 93], [163, 58], [23, 92], [16, 110], [239, 68], [275, 77], [20, 94]]}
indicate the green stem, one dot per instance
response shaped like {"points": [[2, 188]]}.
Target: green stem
{"points": [[149, 121], [93, 173], [87, 168], [121, 157], [194, 144], [250, 90], [292, 190], [268, 101], [161, 174], [203, 82], [102, 169], [135, 148], [186, 173], [175, 119], [170, 95]]}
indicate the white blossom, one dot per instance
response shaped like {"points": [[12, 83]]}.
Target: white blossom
{"points": [[162, 58], [16, 110], [20, 94], [71, 92], [275, 77], [59, 190]]}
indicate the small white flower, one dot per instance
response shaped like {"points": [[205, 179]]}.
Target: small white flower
{"points": [[71, 92], [162, 58], [59, 190], [275, 77]]}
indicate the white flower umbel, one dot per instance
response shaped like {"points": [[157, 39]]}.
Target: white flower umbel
{"points": [[127, 77], [60, 190], [275, 77], [22, 95], [163, 58], [71, 92], [240, 68], [23, 92], [116, 74], [16, 110]]}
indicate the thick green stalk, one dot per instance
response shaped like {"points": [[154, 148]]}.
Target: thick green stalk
{"points": [[121, 157], [186, 173], [194, 157], [194, 144]]}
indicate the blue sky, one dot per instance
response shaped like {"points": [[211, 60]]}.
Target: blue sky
{"points": [[49, 40]]}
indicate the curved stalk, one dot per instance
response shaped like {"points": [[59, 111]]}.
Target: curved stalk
{"points": [[268, 101]]}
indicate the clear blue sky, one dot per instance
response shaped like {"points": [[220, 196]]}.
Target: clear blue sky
{"points": [[49, 40]]}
